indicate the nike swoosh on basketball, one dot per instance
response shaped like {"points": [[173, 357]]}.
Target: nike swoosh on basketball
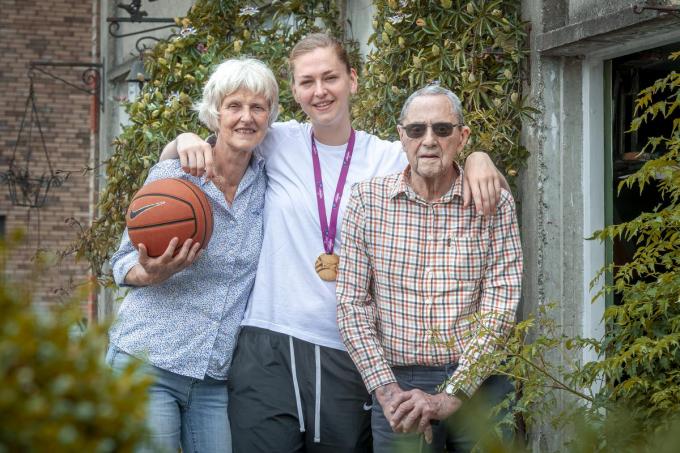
{"points": [[134, 213]]}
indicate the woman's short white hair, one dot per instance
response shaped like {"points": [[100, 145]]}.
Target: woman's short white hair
{"points": [[231, 76]]}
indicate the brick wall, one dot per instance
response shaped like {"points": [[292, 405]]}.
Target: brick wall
{"points": [[55, 30]]}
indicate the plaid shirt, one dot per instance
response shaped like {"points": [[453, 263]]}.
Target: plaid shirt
{"points": [[411, 270]]}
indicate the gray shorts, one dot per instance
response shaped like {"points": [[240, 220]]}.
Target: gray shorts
{"points": [[288, 395]]}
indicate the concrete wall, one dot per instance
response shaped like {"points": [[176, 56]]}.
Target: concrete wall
{"points": [[580, 10]]}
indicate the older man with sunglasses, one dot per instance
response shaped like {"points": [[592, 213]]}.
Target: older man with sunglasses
{"points": [[415, 268]]}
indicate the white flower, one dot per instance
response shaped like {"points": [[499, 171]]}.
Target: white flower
{"points": [[174, 96], [396, 19], [248, 11], [188, 31]]}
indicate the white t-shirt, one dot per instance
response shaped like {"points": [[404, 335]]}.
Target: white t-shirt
{"points": [[288, 295]]}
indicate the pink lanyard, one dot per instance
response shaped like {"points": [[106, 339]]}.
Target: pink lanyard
{"points": [[328, 231]]}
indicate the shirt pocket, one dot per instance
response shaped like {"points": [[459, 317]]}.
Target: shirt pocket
{"points": [[465, 257]]}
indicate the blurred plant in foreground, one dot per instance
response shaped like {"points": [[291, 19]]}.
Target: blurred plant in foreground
{"points": [[56, 392]]}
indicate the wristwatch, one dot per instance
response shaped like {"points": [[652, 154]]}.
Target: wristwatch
{"points": [[453, 391]]}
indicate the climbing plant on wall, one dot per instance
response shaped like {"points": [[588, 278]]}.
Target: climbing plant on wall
{"points": [[475, 48], [211, 32]]}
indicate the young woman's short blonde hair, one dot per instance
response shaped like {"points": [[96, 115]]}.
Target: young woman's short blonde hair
{"points": [[231, 76]]}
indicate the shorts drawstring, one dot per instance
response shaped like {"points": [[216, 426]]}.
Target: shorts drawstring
{"points": [[298, 402], [317, 402]]}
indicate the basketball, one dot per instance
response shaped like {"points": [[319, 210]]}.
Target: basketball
{"points": [[168, 208]]}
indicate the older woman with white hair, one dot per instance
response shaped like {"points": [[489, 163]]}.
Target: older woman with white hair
{"points": [[180, 318]]}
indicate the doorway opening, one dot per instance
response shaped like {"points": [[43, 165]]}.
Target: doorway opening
{"points": [[629, 75]]}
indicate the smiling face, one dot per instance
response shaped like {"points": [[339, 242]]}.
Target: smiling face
{"points": [[431, 157], [322, 86], [243, 120]]}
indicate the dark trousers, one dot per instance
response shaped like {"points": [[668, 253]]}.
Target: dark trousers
{"points": [[288, 395], [459, 433]]}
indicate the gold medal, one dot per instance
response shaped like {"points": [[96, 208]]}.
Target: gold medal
{"points": [[327, 266]]}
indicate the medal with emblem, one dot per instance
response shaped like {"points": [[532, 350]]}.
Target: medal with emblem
{"points": [[326, 264]]}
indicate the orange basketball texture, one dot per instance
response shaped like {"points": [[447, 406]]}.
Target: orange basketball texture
{"points": [[168, 208]]}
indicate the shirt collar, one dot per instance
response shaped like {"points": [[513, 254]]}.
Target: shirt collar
{"points": [[256, 160], [402, 185]]}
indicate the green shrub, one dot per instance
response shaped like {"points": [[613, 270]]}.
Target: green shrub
{"points": [[56, 392]]}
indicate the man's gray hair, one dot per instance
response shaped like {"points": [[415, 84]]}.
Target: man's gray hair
{"points": [[231, 76], [434, 90]]}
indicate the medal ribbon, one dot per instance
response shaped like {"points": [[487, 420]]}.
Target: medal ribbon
{"points": [[328, 231]]}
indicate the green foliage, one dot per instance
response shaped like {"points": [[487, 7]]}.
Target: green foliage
{"points": [[56, 392], [473, 48], [211, 32], [629, 399]]}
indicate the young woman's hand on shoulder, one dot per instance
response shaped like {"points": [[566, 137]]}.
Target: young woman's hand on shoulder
{"points": [[482, 183]]}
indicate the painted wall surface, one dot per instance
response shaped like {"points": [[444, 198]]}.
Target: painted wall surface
{"points": [[122, 51], [360, 15], [125, 47]]}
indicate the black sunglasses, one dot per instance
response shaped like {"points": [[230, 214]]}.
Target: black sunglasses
{"points": [[417, 130]]}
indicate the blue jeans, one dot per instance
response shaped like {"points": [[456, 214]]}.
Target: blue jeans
{"points": [[182, 411], [459, 433]]}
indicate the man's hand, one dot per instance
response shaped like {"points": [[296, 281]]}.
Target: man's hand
{"points": [[414, 410], [152, 271], [482, 183], [385, 396], [195, 154]]}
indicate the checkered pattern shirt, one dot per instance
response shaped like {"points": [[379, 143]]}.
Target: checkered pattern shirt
{"points": [[413, 271]]}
